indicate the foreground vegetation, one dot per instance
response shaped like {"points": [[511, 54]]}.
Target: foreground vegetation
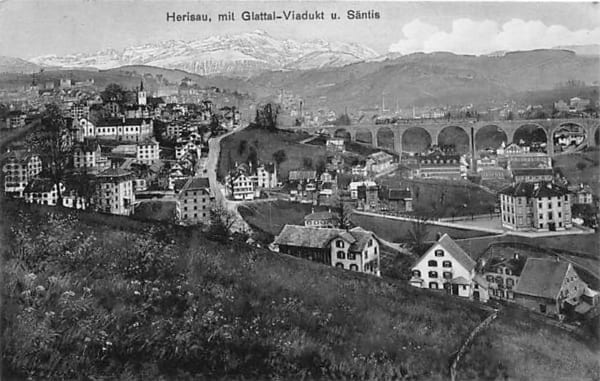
{"points": [[84, 299]]}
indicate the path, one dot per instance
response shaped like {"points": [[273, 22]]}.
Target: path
{"points": [[217, 189]]}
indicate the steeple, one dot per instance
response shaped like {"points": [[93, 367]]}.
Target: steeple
{"points": [[142, 85]]}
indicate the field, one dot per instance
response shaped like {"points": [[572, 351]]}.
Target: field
{"points": [[444, 198], [147, 301], [266, 143], [581, 167], [516, 347]]}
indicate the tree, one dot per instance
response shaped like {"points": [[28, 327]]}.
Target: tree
{"points": [[344, 211], [253, 158], [266, 117], [307, 162], [418, 234], [279, 157], [320, 166], [242, 146], [113, 93], [221, 222], [53, 142]]}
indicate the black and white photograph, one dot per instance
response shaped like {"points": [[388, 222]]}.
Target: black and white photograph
{"points": [[299, 190]]}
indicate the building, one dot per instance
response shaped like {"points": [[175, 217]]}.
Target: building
{"points": [[400, 200], [335, 144], [195, 200], [114, 192], [581, 194], [147, 151], [438, 165], [489, 169], [133, 129], [353, 187], [547, 285], [79, 111], [241, 186], [561, 106], [532, 175], [356, 249], [20, 168], [322, 220], [266, 176], [302, 176], [513, 149], [445, 266], [88, 156], [368, 196], [502, 275], [15, 119], [528, 160], [182, 148], [379, 162], [541, 206], [42, 191], [578, 104]]}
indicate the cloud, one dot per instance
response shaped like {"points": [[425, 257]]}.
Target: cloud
{"points": [[468, 36]]}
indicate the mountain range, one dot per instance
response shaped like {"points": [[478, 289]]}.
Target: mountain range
{"points": [[242, 54]]}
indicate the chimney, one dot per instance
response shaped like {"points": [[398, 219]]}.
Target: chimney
{"points": [[438, 235]]}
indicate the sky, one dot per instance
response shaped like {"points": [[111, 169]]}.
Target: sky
{"points": [[31, 28]]}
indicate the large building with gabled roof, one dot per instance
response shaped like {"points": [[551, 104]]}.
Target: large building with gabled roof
{"points": [[445, 266], [195, 200], [355, 249]]}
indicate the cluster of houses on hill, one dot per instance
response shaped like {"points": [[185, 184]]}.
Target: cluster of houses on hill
{"points": [[546, 285]]}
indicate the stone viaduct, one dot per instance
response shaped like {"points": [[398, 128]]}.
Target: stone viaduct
{"points": [[471, 129]]}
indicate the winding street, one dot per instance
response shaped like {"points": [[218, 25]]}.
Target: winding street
{"points": [[217, 189]]}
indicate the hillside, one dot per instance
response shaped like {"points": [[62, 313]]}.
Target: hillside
{"points": [[17, 65], [90, 295]]}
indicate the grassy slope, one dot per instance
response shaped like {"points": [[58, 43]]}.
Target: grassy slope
{"points": [[268, 143], [513, 345], [567, 164], [281, 315]]}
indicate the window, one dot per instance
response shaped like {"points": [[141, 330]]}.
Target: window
{"points": [[433, 285], [433, 274], [499, 270], [340, 265], [439, 253], [341, 255], [416, 273], [510, 283], [447, 275], [354, 267], [351, 256], [543, 308], [508, 272], [489, 278], [432, 263], [370, 242], [499, 281], [447, 264], [339, 243]]}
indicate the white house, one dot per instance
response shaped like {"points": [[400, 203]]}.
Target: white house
{"points": [[266, 175], [353, 187], [445, 266]]}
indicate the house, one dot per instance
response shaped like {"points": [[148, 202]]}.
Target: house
{"points": [[42, 191], [379, 162], [368, 196], [302, 176], [353, 187], [20, 168], [114, 192], [241, 186], [581, 194], [502, 275], [266, 176], [440, 165], [125, 129], [489, 169], [147, 151], [356, 249], [528, 160], [88, 156], [195, 200], [511, 150], [445, 266], [335, 144], [183, 147], [546, 285], [360, 170], [561, 106], [400, 200], [79, 111], [532, 174], [535, 206], [322, 220], [15, 119]]}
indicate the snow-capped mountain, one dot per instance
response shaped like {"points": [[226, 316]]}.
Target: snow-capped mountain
{"points": [[241, 54]]}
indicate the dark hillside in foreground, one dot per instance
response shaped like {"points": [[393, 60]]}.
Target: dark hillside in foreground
{"points": [[94, 296]]}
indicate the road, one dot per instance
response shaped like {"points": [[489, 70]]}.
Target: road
{"points": [[217, 189]]}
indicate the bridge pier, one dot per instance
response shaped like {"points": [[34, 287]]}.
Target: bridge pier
{"points": [[398, 142], [352, 135]]}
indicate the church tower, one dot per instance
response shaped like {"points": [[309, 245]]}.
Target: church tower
{"points": [[141, 95]]}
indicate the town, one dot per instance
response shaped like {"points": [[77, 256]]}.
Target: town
{"points": [[254, 207]]}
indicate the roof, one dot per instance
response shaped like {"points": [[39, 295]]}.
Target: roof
{"points": [[39, 185], [321, 216], [381, 156], [456, 252], [542, 278], [114, 172], [196, 183], [535, 190], [362, 237], [481, 281], [399, 194], [532, 171], [21, 155], [302, 175], [302, 236], [460, 280], [514, 264]]}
